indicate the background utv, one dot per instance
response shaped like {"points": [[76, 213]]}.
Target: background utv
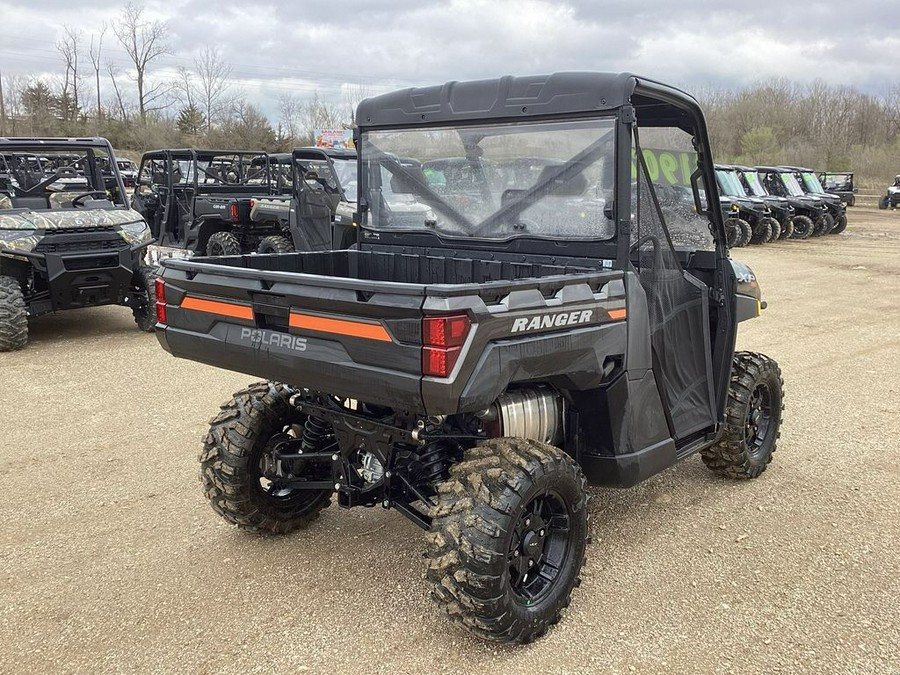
{"points": [[67, 237]]}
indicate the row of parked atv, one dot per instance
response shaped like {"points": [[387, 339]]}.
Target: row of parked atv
{"points": [[767, 203]]}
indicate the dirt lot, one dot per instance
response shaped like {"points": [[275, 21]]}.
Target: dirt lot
{"points": [[111, 561]]}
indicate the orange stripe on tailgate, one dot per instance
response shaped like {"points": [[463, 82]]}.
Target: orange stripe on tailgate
{"points": [[230, 309], [617, 314], [370, 331]]}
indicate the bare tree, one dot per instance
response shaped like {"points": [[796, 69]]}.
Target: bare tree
{"points": [[319, 114], [94, 53], [290, 117], [67, 46], [112, 70], [353, 95], [213, 94], [144, 42], [891, 104], [185, 87]]}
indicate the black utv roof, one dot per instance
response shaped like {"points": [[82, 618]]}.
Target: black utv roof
{"points": [[775, 169], [201, 154], [47, 143], [334, 153], [514, 98], [52, 140]]}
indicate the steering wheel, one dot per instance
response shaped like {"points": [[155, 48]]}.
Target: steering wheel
{"points": [[79, 200]]}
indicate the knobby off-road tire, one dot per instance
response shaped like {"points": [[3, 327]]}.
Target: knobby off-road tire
{"points": [[510, 501], [223, 243], [143, 298], [233, 457], [883, 203], [732, 232], [13, 316], [746, 232], [275, 244], [739, 230], [803, 227], [823, 225], [787, 229], [752, 418], [840, 225], [762, 232], [776, 229]]}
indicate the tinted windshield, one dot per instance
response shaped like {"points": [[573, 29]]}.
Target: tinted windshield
{"points": [[790, 182], [756, 188], [729, 183], [838, 181], [550, 179], [811, 181], [346, 170]]}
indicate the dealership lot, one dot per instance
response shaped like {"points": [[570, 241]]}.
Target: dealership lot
{"points": [[113, 562]]}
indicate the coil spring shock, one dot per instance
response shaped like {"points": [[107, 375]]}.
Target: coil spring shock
{"points": [[434, 462], [314, 430]]}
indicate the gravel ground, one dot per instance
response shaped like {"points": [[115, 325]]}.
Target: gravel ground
{"points": [[111, 561]]}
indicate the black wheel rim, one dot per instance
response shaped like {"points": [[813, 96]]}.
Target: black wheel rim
{"points": [[540, 544], [759, 420], [267, 472]]}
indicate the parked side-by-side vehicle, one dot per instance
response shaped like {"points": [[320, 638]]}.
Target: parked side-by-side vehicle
{"points": [[68, 239], [482, 354]]}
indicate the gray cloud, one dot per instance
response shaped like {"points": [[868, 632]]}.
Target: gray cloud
{"points": [[283, 47]]}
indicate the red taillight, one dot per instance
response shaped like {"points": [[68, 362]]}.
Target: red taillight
{"points": [[442, 339], [160, 300], [235, 214]]}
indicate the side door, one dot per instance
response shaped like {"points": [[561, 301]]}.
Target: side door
{"points": [[149, 195], [667, 233]]}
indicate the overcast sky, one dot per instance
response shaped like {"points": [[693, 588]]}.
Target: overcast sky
{"points": [[286, 47]]}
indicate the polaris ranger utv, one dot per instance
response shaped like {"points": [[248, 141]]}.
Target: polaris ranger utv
{"points": [[475, 369], [67, 237], [836, 220], [781, 208], [197, 202], [810, 212], [314, 201], [840, 183], [751, 209]]}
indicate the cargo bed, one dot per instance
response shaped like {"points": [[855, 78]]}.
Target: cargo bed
{"points": [[350, 322]]}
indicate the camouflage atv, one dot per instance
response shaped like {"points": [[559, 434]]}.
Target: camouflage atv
{"points": [[67, 237]]}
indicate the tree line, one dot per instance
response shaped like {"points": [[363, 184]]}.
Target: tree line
{"points": [[817, 125], [822, 126], [138, 109]]}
